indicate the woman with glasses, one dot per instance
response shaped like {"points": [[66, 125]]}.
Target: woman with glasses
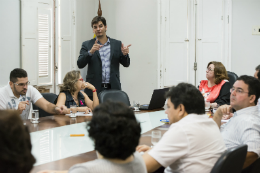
{"points": [[71, 94], [216, 89]]}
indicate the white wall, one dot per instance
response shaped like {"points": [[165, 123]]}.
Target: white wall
{"points": [[9, 38], [245, 46], [84, 14], [135, 22]]}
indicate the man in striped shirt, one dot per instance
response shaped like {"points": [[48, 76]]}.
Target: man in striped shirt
{"points": [[244, 126], [103, 55]]}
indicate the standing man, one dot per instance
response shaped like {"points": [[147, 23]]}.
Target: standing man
{"points": [[18, 95], [103, 55]]}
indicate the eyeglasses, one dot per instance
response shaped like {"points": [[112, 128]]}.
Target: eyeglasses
{"points": [[22, 84], [239, 91], [209, 69], [81, 79]]}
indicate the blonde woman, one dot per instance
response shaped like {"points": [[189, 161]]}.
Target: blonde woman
{"points": [[71, 94]]}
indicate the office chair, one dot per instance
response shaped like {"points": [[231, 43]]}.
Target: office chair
{"points": [[232, 78], [113, 95], [50, 97], [231, 160]]}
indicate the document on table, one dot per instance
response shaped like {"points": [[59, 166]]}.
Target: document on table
{"points": [[224, 121], [81, 114]]}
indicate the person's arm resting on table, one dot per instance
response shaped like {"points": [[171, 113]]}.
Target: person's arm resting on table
{"points": [[151, 164], [172, 146], [50, 108], [251, 157]]}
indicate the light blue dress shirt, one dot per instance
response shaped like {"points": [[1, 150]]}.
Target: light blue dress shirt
{"points": [[243, 128], [104, 52]]}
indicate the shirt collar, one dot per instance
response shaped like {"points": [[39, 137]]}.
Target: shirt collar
{"points": [[108, 41], [10, 91], [251, 110]]}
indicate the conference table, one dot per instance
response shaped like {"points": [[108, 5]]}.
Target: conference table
{"points": [[54, 149]]}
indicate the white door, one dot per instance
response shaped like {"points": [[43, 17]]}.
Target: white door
{"points": [[67, 55], [176, 55], [210, 35]]}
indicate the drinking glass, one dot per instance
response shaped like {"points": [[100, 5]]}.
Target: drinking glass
{"points": [[156, 136], [136, 105], [73, 109], [73, 120], [35, 116], [207, 105]]}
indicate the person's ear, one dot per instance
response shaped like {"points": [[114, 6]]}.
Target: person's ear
{"points": [[252, 98], [181, 110]]}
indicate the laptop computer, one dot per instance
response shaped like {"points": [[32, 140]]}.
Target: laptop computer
{"points": [[157, 101]]}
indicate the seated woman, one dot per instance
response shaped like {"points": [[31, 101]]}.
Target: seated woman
{"points": [[217, 88], [70, 93], [15, 144], [115, 132]]}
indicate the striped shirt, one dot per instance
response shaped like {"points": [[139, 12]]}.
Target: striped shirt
{"points": [[243, 128], [104, 52]]}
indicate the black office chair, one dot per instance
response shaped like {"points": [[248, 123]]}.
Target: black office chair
{"points": [[51, 97], [254, 168], [231, 160], [232, 78], [113, 95]]}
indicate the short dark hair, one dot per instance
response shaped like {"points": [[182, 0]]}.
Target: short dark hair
{"points": [[17, 73], [15, 144], [253, 85], [114, 130], [96, 19], [189, 96], [258, 69]]}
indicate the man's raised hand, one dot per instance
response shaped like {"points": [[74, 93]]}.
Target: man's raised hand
{"points": [[22, 106], [125, 49], [95, 47]]}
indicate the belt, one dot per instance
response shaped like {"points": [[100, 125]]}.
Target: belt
{"points": [[106, 85]]}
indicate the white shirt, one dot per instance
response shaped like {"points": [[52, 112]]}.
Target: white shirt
{"points": [[243, 128], [9, 101], [193, 144]]}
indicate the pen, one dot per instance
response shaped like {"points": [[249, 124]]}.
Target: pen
{"points": [[76, 135]]}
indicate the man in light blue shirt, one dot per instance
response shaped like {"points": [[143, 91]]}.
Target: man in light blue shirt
{"points": [[244, 126]]}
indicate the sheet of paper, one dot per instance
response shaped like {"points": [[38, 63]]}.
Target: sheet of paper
{"points": [[81, 114], [224, 121]]}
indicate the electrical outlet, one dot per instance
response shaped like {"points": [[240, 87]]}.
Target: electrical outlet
{"points": [[256, 30]]}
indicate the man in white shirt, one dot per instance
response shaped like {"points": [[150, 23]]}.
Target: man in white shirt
{"points": [[18, 95], [244, 126], [193, 142]]}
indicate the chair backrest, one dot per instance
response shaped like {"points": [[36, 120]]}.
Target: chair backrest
{"points": [[50, 97], [232, 77], [253, 168], [113, 95], [231, 160]]}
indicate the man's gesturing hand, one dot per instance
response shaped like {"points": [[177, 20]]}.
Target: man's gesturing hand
{"points": [[125, 50], [95, 47], [22, 106]]}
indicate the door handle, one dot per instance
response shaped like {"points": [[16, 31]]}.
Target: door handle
{"points": [[199, 39], [186, 40]]}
